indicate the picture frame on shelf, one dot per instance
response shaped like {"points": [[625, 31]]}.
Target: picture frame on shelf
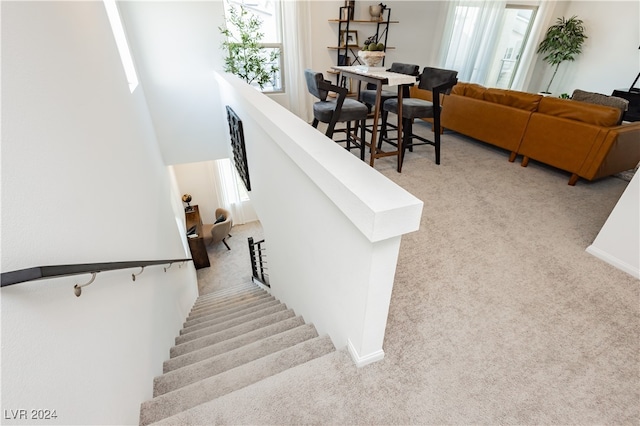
{"points": [[349, 38]]}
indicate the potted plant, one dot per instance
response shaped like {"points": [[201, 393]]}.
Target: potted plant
{"points": [[246, 58], [562, 42]]}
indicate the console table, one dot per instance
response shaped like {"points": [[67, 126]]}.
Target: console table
{"points": [[196, 241]]}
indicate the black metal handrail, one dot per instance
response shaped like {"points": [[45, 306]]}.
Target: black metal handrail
{"points": [[258, 261], [44, 272]]}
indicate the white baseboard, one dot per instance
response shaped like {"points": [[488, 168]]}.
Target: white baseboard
{"points": [[614, 261], [361, 361]]}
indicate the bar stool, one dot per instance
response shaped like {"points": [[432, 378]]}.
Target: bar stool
{"points": [[368, 96], [338, 110], [439, 81]]}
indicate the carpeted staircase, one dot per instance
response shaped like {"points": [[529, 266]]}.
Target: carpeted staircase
{"points": [[232, 339]]}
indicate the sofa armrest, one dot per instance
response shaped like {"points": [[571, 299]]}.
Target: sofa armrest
{"points": [[618, 150]]}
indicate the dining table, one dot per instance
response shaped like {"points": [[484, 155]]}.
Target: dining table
{"points": [[380, 77]]}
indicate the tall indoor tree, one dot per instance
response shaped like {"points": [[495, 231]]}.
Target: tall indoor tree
{"points": [[562, 42]]}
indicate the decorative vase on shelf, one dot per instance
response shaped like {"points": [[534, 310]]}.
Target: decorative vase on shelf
{"points": [[376, 12], [371, 58]]}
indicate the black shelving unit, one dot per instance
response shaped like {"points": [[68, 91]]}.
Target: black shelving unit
{"points": [[348, 54]]}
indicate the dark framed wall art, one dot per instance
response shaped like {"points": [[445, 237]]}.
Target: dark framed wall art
{"points": [[238, 145]]}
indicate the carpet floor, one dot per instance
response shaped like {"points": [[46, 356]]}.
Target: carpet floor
{"points": [[498, 315]]}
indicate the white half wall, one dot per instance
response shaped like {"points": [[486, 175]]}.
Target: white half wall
{"points": [[618, 242], [83, 181], [332, 224]]}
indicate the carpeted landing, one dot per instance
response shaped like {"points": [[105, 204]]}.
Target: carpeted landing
{"points": [[232, 338]]}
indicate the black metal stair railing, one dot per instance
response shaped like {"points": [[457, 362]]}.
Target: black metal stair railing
{"points": [[258, 261]]}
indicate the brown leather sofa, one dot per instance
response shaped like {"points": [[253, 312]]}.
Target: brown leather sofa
{"points": [[583, 139]]}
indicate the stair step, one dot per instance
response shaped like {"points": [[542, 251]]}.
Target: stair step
{"points": [[248, 285], [221, 319], [216, 316], [230, 333], [199, 304], [232, 322], [218, 309], [213, 387], [269, 392], [219, 364], [231, 344], [229, 308]]}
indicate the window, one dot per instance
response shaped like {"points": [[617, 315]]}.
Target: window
{"points": [[121, 41], [486, 40], [511, 41], [268, 11], [231, 183]]}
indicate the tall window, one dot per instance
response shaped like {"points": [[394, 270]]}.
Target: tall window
{"points": [[512, 38], [269, 13], [485, 40]]}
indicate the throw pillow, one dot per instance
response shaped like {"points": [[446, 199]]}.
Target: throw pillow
{"points": [[219, 219]]}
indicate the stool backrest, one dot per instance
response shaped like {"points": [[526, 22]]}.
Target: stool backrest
{"points": [[409, 69], [314, 83], [432, 77]]}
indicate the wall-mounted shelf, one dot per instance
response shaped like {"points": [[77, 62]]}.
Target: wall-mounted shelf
{"points": [[359, 21], [355, 47]]}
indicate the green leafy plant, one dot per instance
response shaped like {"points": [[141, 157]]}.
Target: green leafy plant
{"points": [[246, 58], [564, 96], [562, 42]]}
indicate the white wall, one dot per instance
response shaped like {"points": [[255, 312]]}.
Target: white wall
{"points": [[83, 181], [610, 58], [177, 47], [332, 223], [618, 242], [197, 179]]}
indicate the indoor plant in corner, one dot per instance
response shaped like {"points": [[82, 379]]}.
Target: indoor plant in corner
{"points": [[562, 42], [246, 57]]}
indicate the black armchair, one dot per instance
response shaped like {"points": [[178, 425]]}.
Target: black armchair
{"points": [[439, 81], [337, 110]]}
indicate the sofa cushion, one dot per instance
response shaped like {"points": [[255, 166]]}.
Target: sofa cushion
{"points": [[458, 89], [598, 115], [513, 98], [473, 90], [497, 96], [526, 101], [600, 99]]}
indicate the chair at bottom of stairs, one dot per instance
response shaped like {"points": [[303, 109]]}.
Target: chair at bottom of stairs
{"points": [[220, 229]]}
